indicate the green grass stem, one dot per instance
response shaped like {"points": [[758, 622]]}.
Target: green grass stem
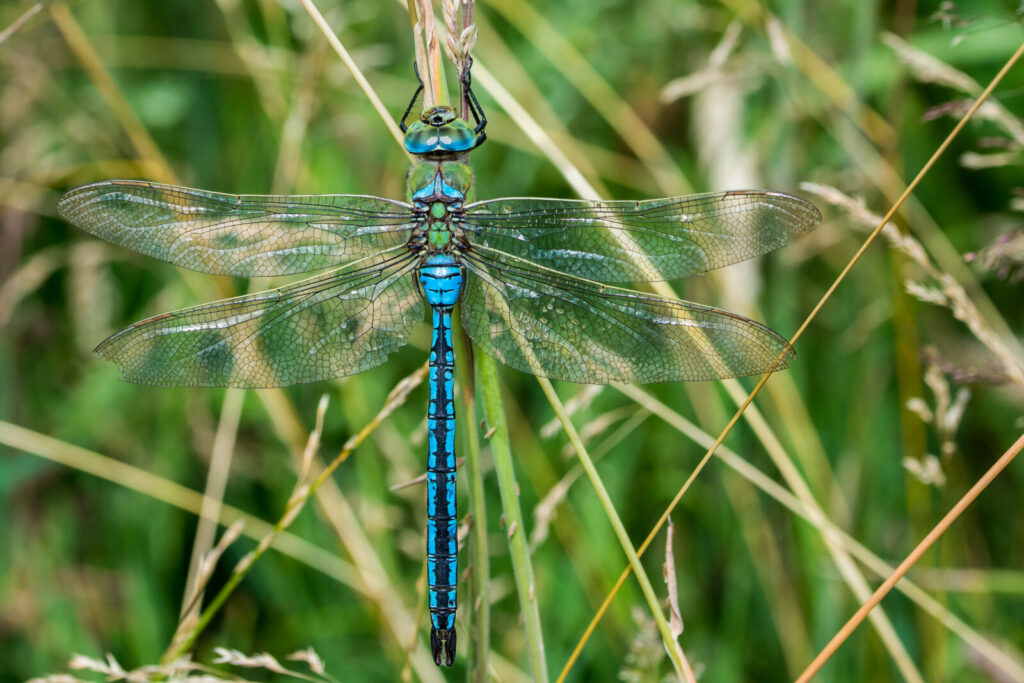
{"points": [[476, 610], [671, 647], [522, 566]]}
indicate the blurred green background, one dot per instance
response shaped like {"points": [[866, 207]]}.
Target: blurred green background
{"points": [[245, 96]]}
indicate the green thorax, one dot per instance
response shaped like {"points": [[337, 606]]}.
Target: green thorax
{"points": [[441, 190]]}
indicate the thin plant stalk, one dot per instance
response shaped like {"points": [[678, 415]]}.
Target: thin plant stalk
{"points": [[193, 624], [522, 567], [671, 647], [353, 69], [428, 53], [419, 50], [602, 96], [304, 489], [800, 331], [920, 549], [478, 616], [19, 22], [216, 483], [813, 515]]}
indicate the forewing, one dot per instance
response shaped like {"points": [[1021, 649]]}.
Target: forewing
{"points": [[626, 241], [555, 325], [242, 235], [336, 324]]}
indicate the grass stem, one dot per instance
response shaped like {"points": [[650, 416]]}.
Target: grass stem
{"points": [[478, 614], [522, 567], [653, 602]]}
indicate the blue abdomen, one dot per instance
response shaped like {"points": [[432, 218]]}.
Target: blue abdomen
{"points": [[441, 281]]}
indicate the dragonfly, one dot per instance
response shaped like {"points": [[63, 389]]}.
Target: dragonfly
{"points": [[535, 282]]}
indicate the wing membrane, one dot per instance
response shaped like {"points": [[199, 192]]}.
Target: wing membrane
{"points": [[242, 235], [555, 325], [627, 241], [336, 324]]}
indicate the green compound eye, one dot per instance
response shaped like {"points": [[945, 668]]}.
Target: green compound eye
{"points": [[421, 138], [457, 136], [439, 130]]}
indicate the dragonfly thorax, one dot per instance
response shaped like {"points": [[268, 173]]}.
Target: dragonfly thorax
{"points": [[439, 192], [439, 231]]}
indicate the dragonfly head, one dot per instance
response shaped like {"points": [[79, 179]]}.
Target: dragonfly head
{"points": [[440, 133]]}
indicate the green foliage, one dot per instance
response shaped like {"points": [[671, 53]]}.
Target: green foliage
{"points": [[247, 97]]}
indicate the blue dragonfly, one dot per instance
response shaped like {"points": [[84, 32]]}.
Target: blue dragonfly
{"points": [[533, 279]]}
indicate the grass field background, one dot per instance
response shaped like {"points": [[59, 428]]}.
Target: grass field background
{"points": [[906, 387]]}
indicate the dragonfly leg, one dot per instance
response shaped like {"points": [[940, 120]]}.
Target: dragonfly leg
{"points": [[474, 105], [415, 95]]}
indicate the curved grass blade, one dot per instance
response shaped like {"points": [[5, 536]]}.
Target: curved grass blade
{"points": [[336, 324], [645, 241], [240, 235], [555, 325]]}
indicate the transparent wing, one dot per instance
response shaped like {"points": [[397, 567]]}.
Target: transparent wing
{"points": [[626, 241], [555, 325], [242, 235], [336, 324]]}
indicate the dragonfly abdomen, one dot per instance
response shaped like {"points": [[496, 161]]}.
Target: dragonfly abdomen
{"points": [[441, 282]]}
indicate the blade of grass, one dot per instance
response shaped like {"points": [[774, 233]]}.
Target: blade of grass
{"points": [[536, 133], [216, 483], [419, 52], [193, 621], [494, 50], [767, 547], [479, 618], [435, 91], [597, 91], [140, 138], [158, 488], [353, 69], [295, 126], [254, 56], [653, 602], [371, 576], [826, 527], [872, 125], [937, 531], [869, 240], [522, 567], [19, 22], [848, 569]]}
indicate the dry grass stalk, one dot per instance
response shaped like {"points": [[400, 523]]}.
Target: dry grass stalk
{"points": [[939, 288]]}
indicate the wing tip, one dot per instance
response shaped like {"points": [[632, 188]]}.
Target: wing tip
{"points": [[803, 224], [64, 203]]}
